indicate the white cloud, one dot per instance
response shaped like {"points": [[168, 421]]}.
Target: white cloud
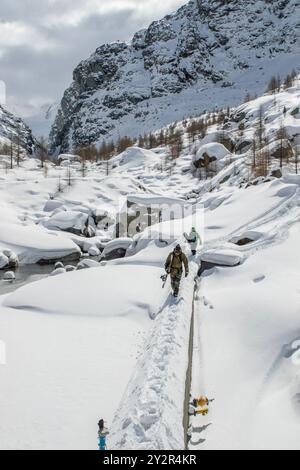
{"points": [[76, 12], [18, 34]]}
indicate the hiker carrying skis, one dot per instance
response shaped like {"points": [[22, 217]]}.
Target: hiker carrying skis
{"points": [[194, 238], [174, 266], [102, 435]]}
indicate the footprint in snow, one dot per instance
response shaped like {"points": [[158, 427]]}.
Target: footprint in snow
{"points": [[207, 303]]}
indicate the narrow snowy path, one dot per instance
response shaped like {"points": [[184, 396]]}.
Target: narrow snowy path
{"points": [[151, 413]]}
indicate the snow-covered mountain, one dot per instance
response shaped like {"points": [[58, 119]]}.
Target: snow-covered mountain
{"points": [[13, 128], [208, 53]]}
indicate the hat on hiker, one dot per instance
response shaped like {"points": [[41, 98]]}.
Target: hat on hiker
{"points": [[101, 424]]}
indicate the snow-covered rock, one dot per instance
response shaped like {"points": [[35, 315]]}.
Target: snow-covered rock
{"points": [[87, 263], [249, 236], [3, 261], [280, 149], [213, 153], [69, 221], [222, 257], [58, 265], [69, 268], [58, 271], [94, 251], [13, 260], [224, 137], [32, 244], [52, 205], [116, 248], [67, 158], [9, 276]]}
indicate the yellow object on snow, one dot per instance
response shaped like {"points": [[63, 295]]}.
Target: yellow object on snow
{"points": [[203, 412], [202, 401]]}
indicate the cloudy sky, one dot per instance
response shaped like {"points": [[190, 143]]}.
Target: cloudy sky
{"points": [[41, 41]]}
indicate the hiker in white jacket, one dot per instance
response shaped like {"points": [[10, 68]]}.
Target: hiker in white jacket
{"points": [[194, 239]]}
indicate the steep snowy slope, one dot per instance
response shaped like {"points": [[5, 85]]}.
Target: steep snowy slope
{"points": [[208, 53], [12, 128]]}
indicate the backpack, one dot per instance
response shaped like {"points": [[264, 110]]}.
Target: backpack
{"points": [[180, 257]]}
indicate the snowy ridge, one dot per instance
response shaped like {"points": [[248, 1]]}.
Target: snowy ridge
{"points": [[151, 411], [207, 54]]}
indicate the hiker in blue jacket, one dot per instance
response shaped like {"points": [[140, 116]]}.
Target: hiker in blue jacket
{"points": [[102, 435]]}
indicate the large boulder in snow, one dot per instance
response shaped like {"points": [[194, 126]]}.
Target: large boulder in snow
{"points": [[67, 158], [58, 271], [116, 248], [3, 261], [276, 173], [213, 153], [8, 259], [87, 263], [52, 205], [94, 251], [9, 276], [32, 244], [222, 137], [222, 257], [243, 146], [71, 221], [281, 149]]}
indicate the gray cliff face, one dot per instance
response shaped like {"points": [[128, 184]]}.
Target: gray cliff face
{"points": [[167, 68], [14, 128]]}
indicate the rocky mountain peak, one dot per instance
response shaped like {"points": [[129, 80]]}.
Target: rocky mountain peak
{"points": [[168, 70]]}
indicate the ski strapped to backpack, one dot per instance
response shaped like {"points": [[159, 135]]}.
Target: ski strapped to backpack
{"points": [[164, 279]]}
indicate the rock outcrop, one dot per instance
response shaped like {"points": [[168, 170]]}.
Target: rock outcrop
{"points": [[13, 128]]}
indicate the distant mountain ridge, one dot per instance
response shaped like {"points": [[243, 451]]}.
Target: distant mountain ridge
{"points": [[206, 54]]}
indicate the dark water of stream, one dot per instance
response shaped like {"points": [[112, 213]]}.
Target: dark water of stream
{"points": [[24, 275]]}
